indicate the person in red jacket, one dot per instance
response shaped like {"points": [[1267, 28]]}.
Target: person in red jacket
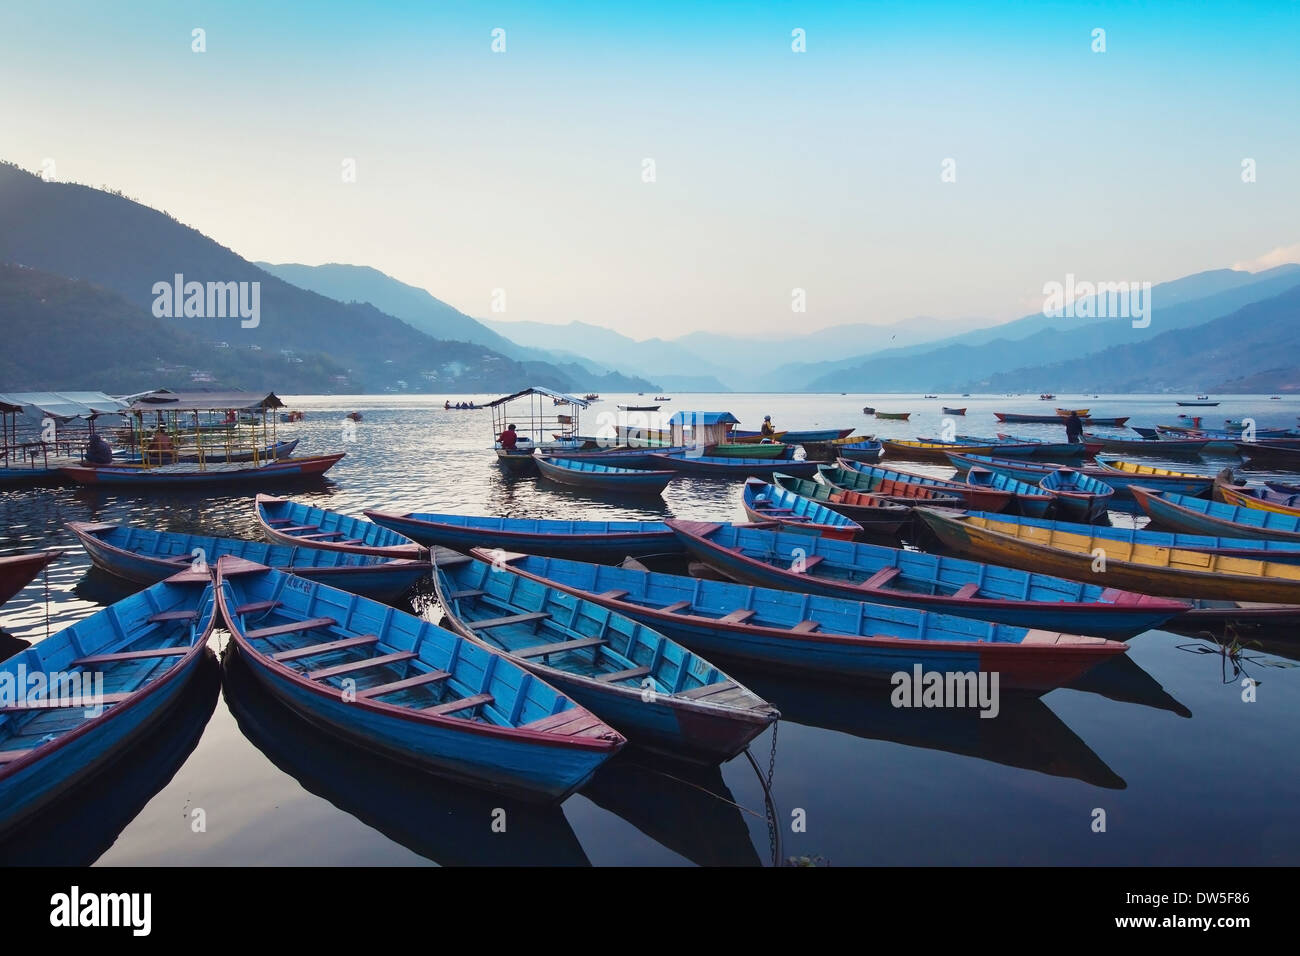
{"points": [[509, 438]]}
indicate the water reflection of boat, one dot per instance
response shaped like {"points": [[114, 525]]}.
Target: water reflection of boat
{"points": [[688, 809], [444, 822], [82, 825], [1123, 679], [1026, 733]]}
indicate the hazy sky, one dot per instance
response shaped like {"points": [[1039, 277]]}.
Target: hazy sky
{"points": [[775, 170]]}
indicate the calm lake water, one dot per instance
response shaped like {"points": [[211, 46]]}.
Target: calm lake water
{"points": [[1162, 741]]}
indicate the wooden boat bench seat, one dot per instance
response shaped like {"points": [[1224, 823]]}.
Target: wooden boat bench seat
{"points": [[613, 595], [279, 521], [363, 664], [313, 649], [57, 704], [321, 535], [806, 627], [880, 578], [471, 592], [574, 722], [9, 756], [966, 591], [556, 647], [452, 706], [309, 624], [190, 615], [707, 690], [810, 562], [130, 655], [739, 616], [257, 607], [419, 680], [623, 675], [676, 607], [351, 541], [301, 527], [509, 619]]}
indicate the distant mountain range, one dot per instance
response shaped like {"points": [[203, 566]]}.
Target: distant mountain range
{"points": [[1019, 355], [341, 327], [707, 361], [71, 334], [126, 248], [1254, 349]]}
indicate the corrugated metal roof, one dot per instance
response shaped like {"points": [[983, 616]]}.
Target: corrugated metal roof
{"points": [[704, 418], [164, 400], [539, 390], [64, 406]]}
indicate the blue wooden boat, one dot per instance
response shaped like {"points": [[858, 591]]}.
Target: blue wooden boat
{"points": [[1077, 496], [144, 556], [35, 475], [1106, 471], [289, 522], [1284, 552], [395, 798], [1013, 446], [591, 540], [875, 514], [793, 512], [405, 688], [1055, 450], [1213, 518], [736, 467], [594, 476], [103, 683], [1029, 500], [626, 456], [1148, 445], [815, 435], [657, 693], [928, 582], [202, 475], [868, 451], [906, 487], [825, 637]]}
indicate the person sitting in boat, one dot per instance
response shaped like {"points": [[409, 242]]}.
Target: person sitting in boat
{"points": [[159, 449], [767, 431], [447, 404], [1074, 429], [509, 438], [98, 452]]}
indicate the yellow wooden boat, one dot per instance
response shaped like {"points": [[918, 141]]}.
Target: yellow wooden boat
{"points": [[1134, 468], [1145, 568], [932, 451], [1232, 496]]}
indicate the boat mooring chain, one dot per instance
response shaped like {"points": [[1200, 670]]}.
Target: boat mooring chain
{"points": [[773, 825]]}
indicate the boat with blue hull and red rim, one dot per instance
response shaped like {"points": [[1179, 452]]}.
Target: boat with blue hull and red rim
{"points": [[588, 540], [145, 556], [410, 690], [107, 680], [881, 575], [607, 479], [823, 637], [653, 690], [285, 521]]}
